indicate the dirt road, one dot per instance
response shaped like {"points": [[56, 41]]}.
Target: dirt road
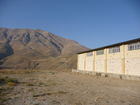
{"points": [[66, 88]]}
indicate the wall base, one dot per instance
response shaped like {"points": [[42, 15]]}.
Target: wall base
{"points": [[101, 74]]}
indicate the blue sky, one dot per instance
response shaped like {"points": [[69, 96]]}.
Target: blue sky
{"points": [[93, 23]]}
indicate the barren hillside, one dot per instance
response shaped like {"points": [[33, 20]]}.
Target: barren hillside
{"points": [[25, 48]]}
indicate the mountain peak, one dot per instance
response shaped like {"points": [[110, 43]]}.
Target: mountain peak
{"points": [[35, 44]]}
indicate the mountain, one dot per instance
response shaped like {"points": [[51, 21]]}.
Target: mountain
{"points": [[25, 48]]}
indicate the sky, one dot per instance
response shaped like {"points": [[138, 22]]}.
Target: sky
{"points": [[92, 23]]}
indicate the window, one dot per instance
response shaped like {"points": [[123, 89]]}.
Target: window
{"points": [[89, 54], [134, 46], [114, 49], [100, 52]]}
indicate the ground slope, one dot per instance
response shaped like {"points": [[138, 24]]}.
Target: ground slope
{"points": [[66, 88]]}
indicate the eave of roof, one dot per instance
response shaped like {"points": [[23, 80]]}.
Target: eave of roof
{"points": [[112, 45]]}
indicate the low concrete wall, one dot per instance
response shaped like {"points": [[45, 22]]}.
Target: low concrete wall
{"points": [[120, 76]]}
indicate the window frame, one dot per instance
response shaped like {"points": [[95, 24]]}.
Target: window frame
{"points": [[89, 54], [133, 46], [115, 49], [100, 52]]}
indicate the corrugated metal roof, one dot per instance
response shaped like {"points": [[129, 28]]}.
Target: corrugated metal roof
{"points": [[112, 45]]}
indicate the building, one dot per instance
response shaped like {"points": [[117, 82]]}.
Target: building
{"points": [[121, 58]]}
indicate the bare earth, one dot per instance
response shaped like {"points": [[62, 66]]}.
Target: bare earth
{"points": [[66, 88]]}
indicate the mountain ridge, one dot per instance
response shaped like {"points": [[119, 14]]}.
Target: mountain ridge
{"points": [[28, 44]]}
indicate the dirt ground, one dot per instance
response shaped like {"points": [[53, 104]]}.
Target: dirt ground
{"points": [[66, 88]]}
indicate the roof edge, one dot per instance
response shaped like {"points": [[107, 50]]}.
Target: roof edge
{"points": [[112, 45]]}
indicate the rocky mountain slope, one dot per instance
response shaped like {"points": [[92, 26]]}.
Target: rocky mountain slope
{"points": [[25, 48]]}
